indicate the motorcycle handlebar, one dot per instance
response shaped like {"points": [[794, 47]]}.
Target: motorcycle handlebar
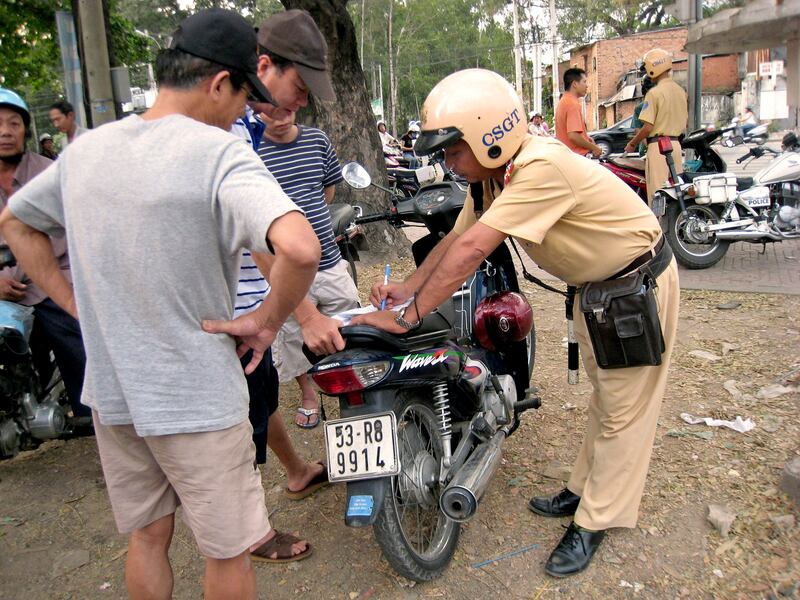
{"points": [[374, 218], [741, 159]]}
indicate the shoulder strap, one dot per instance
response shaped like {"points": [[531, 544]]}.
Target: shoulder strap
{"points": [[476, 192]]}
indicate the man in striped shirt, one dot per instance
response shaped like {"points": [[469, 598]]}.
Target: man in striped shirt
{"points": [[304, 162]]}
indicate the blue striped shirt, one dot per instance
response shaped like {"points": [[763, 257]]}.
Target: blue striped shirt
{"points": [[304, 168]]}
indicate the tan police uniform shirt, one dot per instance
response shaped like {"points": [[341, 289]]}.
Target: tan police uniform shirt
{"points": [[573, 217], [666, 109]]}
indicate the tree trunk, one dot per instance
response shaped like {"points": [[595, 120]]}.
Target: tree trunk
{"points": [[392, 77], [349, 121]]}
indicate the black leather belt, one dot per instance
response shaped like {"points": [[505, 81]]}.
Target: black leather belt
{"points": [[654, 138], [657, 260]]}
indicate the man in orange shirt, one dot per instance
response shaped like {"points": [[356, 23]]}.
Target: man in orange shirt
{"points": [[570, 126]]}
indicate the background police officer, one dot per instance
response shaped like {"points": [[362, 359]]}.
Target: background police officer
{"points": [[664, 113], [557, 205]]}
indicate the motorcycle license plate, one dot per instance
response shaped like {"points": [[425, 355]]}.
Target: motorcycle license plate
{"points": [[362, 447]]}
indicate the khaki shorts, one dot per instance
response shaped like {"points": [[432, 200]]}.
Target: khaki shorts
{"points": [[332, 291], [211, 474]]}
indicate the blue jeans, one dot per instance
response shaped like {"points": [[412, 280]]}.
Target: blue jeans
{"points": [[55, 329]]}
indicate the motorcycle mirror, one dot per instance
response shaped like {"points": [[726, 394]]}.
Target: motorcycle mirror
{"points": [[356, 176]]}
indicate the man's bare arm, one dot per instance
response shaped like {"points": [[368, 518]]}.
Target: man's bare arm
{"points": [[297, 254], [459, 262], [34, 252], [577, 139], [398, 293], [329, 191], [320, 333], [641, 134]]}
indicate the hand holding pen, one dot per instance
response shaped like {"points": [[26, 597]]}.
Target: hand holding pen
{"points": [[386, 274]]}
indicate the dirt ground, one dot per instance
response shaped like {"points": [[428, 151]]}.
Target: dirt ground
{"points": [[57, 535]]}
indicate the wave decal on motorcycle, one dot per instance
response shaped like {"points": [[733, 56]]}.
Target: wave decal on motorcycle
{"points": [[415, 361]]}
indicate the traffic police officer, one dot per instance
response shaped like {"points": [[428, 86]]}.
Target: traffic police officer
{"points": [[664, 113], [578, 222]]}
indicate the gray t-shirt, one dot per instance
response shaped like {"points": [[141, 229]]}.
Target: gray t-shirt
{"points": [[157, 214]]}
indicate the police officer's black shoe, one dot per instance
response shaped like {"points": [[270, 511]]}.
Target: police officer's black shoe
{"points": [[574, 552], [562, 504]]}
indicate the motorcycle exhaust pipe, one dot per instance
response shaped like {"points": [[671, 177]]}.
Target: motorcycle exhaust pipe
{"points": [[747, 235], [460, 500]]}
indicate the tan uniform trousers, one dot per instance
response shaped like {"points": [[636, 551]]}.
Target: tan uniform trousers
{"points": [[656, 169], [612, 464]]}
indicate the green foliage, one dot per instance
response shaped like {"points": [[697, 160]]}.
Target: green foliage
{"points": [[129, 48], [29, 56], [432, 38], [582, 21]]}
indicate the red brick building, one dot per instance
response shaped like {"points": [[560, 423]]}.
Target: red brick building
{"points": [[608, 62]]}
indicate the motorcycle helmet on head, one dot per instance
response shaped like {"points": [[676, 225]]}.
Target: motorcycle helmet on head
{"points": [[478, 106], [14, 101], [656, 62], [502, 318]]}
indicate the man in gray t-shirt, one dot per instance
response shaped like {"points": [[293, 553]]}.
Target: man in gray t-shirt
{"points": [[156, 210]]}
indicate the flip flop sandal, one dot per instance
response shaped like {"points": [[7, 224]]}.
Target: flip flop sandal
{"points": [[319, 481], [280, 546], [308, 412]]}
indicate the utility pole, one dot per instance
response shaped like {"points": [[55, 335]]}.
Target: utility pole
{"points": [[695, 73], [95, 61], [554, 40], [537, 73], [687, 12], [517, 50]]}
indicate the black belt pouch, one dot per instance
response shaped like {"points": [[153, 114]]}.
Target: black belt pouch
{"points": [[622, 319]]}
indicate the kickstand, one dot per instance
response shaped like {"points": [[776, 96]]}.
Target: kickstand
{"points": [[763, 248], [322, 409]]}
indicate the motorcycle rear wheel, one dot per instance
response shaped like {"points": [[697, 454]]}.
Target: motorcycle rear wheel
{"points": [[415, 536], [688, 253]]}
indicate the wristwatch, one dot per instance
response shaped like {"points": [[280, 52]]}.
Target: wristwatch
{"points": [[400, 320]]}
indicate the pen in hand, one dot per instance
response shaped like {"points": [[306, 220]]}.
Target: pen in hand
{"points": [[386, 274]]}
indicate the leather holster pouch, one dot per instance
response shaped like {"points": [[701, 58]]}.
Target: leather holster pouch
{"points": [[622, 319]]}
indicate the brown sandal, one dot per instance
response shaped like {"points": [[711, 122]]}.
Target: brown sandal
{"points": [[320, 480], [280, 546]]}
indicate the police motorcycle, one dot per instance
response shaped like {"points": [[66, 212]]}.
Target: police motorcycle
{"points": [[423, 415], [704, 216], [631, 167], [33, 400]]}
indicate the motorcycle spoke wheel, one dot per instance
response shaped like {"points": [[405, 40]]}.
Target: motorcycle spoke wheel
{"points": [[692, 247], [417, 539]]}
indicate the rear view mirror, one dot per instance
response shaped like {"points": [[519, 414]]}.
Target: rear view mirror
{"points": [[356, 176]]}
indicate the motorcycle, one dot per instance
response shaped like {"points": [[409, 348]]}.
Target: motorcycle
{"points": [[423, 416], [704, 216], [33, 403], [756, 135], [631, 167]]}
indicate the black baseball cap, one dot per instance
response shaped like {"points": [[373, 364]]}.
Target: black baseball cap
{"points": [[293, 35], [223, 37]]}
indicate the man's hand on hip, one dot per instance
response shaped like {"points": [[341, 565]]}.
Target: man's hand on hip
{"points": [[249, 333]]}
